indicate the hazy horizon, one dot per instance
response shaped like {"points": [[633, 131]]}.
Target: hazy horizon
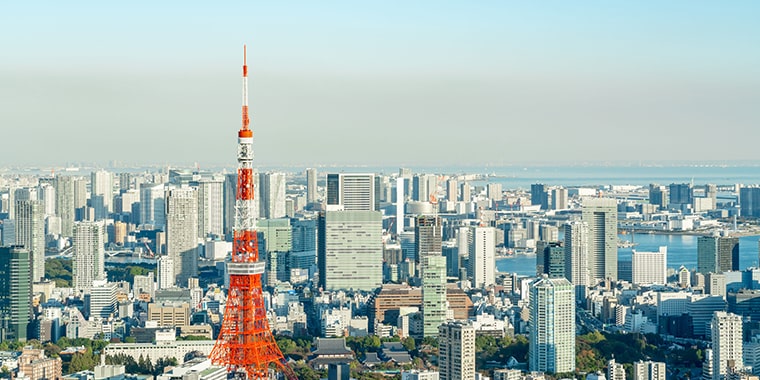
{"points": [[427, 84]]}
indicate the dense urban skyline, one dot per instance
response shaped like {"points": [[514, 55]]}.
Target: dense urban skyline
{"points": [[152, 82]]}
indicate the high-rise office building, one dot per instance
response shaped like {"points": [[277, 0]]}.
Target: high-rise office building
{"points": [[101, 185], [464, 192], [552, 326], [230, 192], [493, 191], [727, 341], [717, 254], [600, 214], [482, 256], [456, 351], [428, 237], [559, 198], [539, 196], [350, 250], [423, 186], [125, 181], [103, 299], [89, 254], [165, 269], [210, 207], [64, 203], [272, 195], [80, 193], [433, 293], [650, 268], [749, 201], [658, 195], [680, 193], [311, 185], [648, 370], [153, 204], [352, 191], [30, 232], [15, 293], [553, 259], [275, 244], [46, 195], [182, 232], [452, 188]]}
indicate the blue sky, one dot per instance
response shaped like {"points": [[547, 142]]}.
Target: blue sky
{"points": [[380, 83]]}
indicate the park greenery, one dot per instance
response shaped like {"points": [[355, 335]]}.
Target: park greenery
{"points": [[60, 271]]}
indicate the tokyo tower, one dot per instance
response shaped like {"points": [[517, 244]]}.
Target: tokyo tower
{"points": [[245, 344]]}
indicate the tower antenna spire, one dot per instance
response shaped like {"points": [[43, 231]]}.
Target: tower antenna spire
{"points": [[245, 344]]}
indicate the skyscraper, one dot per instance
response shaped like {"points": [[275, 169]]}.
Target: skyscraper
{"points": [[153, 204], [554, 259], [30, 232], [680, 193], [165, 269], [482, 253], [210, 207], [727, 340], [15, 292], [456, 351], [650, 267], [464, 192], [89, 254], [272, 195], [749, 199], [352, 191], [101, 185], [350, 250], [451, 190], [658, 195], [433, 293], [552, 326], [311, 185], [64, 203], [182, 232], [428, 237], [493, 191], [230, 192], [717, 254], [559, 198], [576, 257], [539, 196], [601, 216]]}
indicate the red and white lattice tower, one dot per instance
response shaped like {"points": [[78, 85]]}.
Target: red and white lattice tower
{"points": [[245, 344]]}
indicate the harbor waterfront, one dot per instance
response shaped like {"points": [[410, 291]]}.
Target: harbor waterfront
{"points": [[682, 250]]}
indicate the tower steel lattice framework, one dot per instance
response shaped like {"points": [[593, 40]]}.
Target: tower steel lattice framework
{"points": [[245, 344]]}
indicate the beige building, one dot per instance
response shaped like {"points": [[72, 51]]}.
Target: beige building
{"points": [[170, 315], [36, 366]]}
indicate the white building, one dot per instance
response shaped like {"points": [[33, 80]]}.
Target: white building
{"points": [[166, 349], [165, 269], [650, 268], [648, 370], [210, 207], [552, 326], [482, 252], [89, 254], [182, 232], [456, 351], [272, 195], [727, 341], [576, 257]]}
